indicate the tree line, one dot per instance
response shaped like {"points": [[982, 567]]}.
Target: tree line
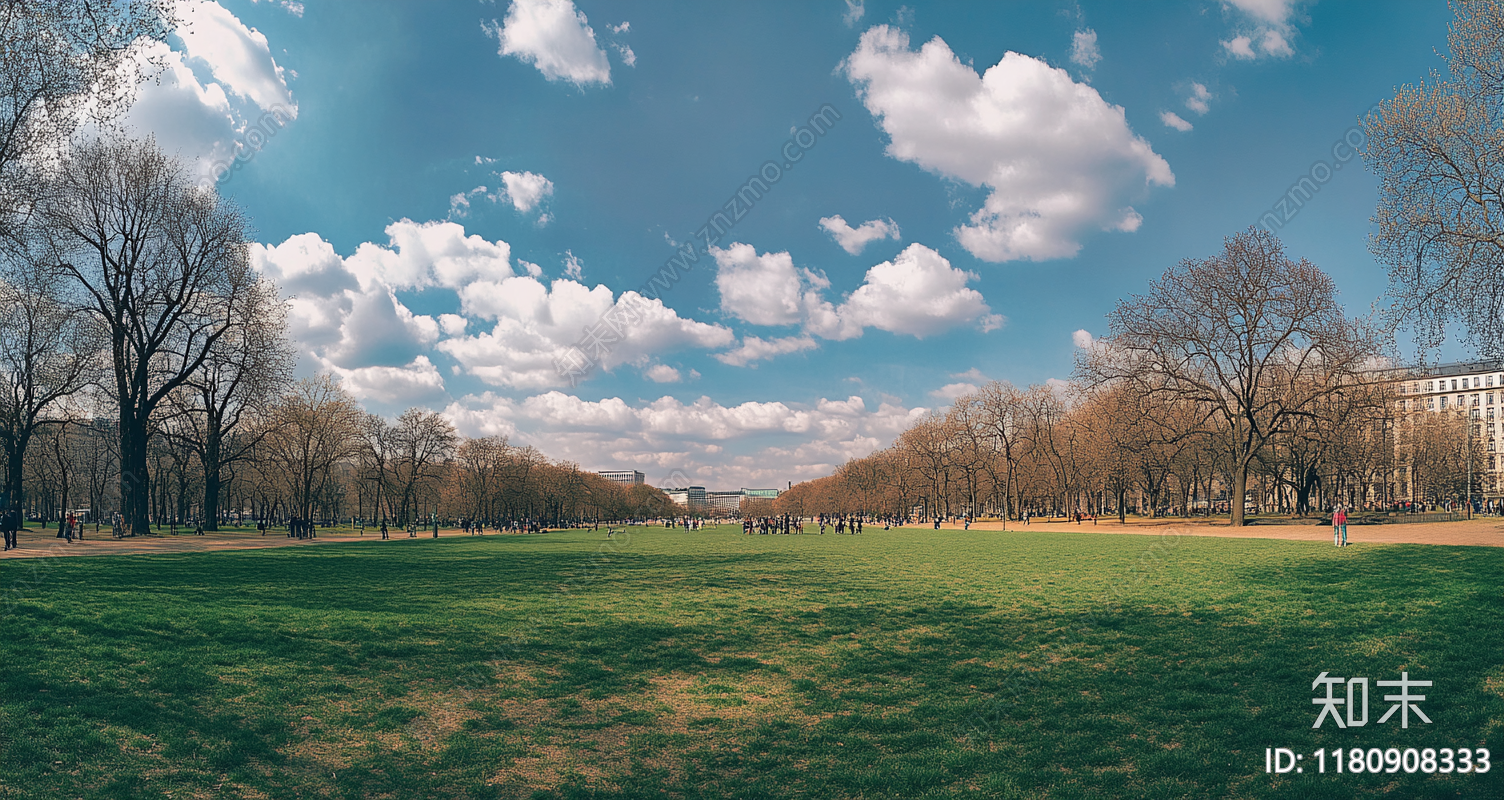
{"points": [[1236, 381]]}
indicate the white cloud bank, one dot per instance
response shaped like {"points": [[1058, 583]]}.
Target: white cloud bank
{"points": [[667, 434], [555, 37], [346, 316], [1059, 160]]}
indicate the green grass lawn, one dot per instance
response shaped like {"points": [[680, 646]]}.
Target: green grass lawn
{"points": [[895, 664]]}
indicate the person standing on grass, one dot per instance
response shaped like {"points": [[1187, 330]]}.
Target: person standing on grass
{"points": [[1339, 527], [9, 525]]}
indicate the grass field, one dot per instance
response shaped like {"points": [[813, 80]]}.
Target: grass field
{"points": [[897, 664]]}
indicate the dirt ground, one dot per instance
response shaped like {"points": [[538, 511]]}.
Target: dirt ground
{"points": [[1483, 531], [39, 543]]}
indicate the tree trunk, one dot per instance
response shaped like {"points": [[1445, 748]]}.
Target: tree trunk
{"points": [[135, 485], [212, 477], [1239, 491]]}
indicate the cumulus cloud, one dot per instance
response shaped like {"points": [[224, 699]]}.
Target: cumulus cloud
{"points": [[853, 240], [536, 326], [346, 315], [1173, 120], [555, 37], [918, 293], [1084, 48], [415, 383], [754, 348], [667, 435], [1059, 160], [662, 373], [1083, 339], [951, 391], [1265, 28], [202, 101], [525, 190]]}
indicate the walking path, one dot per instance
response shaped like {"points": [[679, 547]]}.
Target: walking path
{"points": [[38, 543], [1481, 532]]}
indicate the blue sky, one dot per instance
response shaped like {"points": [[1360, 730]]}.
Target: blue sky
{"points": [[461, 189]]}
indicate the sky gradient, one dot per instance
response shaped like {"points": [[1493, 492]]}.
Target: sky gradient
{"points": [[460, 189]]}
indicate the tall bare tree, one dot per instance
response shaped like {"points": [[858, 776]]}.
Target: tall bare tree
{"points": [[245, 371], [1249, 334], [1438, 149], [162, 265]]}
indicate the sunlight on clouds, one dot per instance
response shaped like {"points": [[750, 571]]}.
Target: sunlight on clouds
{"points": [[1059, 160]]}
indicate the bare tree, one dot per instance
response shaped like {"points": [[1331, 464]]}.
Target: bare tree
{"points": [[316, 426], [59, 58], [1438, 149], [245, 371], [424, 441], [48, 352], [1250, 335], [161, 264]]}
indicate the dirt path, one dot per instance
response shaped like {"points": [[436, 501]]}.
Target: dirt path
{"points": [[1483, 532], [39, 543]]}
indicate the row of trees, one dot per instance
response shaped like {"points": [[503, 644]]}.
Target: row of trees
{"points": [[1236, 376], [313, 453]]}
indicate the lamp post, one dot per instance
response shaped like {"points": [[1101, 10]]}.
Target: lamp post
{"points": [[1472, 415]]}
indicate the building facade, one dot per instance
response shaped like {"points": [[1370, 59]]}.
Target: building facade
{"points": [[626, 477], [1473, 389]]}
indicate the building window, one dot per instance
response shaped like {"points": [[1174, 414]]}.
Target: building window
{"points": [[1428, 385], [1454, 384], [1461, 400], [1489, 380], [1475, 401], [1490, 398]]}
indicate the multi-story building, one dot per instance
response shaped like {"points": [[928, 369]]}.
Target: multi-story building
{"points": [[1472, 388], [626, 477]]}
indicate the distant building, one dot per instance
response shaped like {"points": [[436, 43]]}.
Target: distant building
{"points": [[727, 503], [692, 497], [626, 477], [1472, 388], [771, 494]]}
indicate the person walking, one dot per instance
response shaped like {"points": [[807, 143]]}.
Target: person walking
{"points": [[1339, 526]]}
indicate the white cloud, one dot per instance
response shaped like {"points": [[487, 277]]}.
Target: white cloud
{"points": [[754, 348], [1199, 100], [973, 375], [918, 293], [345, 313], [555, 37], [855, 10], [853, 240], [413, 384], [459, 203], [625, 27], [1084, 48], [574, 269], [1058, 159], [1265, 30], [239, 57], [536, 326], [628, 57], [703, 439], [662, 373], [1173, 120], [1083, 339], [526, 190], [221, 95], [951, 391]]}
